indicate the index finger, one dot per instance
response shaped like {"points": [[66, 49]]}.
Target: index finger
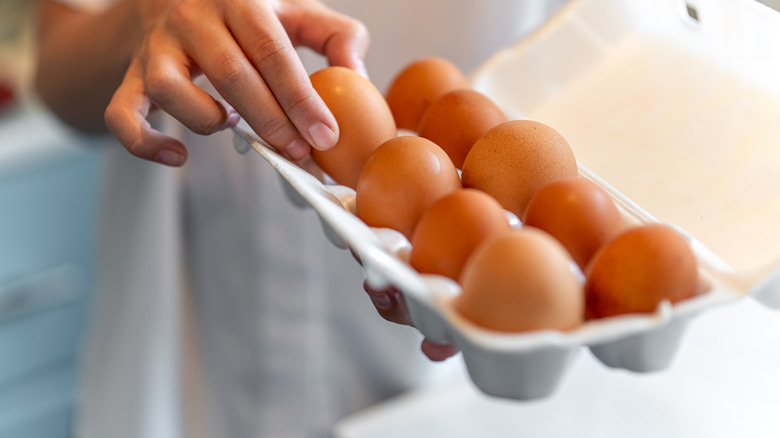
{"points": [[265, 42], [125, 117]]}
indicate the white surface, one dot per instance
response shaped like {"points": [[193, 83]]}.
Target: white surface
{"points": [[724, 383], [692, 147], [679, 115]]}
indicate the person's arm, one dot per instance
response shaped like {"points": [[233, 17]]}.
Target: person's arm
{"points": [[244, 47], [82, 58], [143, 53]]}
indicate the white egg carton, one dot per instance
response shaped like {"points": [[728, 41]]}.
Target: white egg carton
{"points": [[620, 79]]}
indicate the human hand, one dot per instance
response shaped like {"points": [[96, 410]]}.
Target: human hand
{"points": [[246, 49], [391, 305]]}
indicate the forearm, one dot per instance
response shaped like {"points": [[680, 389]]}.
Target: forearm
{"points": [[82, 59]]}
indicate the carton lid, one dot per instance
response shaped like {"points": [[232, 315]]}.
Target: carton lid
{"points": [[675, 104]]}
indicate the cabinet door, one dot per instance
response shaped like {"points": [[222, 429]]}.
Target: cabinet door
{"points": [[48, 229]]}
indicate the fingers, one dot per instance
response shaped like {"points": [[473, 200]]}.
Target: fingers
{"points": [[246, 53], [342, 39], [438, 352], [126, 115], [216, 53], [169, 86], [159, 77], [250, 61], [389, 303], [263, 38]]}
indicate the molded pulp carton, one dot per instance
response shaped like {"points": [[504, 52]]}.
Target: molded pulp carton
{"points": [[671, 106]]}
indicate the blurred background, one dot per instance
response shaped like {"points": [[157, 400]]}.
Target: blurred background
{"points": [[50, 179], [49, 186]]}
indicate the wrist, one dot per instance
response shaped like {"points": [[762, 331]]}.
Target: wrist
{"points": [[125, 16], [148, 13]]}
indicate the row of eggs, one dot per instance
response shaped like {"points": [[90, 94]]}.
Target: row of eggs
{"points": [[512, 279]]}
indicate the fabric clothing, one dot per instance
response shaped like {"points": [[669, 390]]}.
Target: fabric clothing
{"points": [[222, 310], [290, 342], [287, 338]]}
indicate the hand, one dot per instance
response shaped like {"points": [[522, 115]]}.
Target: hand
{"points": [[245, 49], [390, 305]]}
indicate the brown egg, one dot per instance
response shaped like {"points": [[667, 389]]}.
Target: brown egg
{"points": [[400, 180], [578, 213], [364, 120], [451, 228], [638, 269], [458, 119], [519, 281], [418, 85], [515, 159]]}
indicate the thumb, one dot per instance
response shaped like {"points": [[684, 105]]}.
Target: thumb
{"points": [[343, 40]]}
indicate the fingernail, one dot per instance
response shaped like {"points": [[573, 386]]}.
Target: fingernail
{"points": [[170, 158], [360, 67], [232, 119], [380, 300], [297, 148], [322, 136]]}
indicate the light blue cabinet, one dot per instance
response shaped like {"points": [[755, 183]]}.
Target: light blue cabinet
{"points": [[49, 191]]}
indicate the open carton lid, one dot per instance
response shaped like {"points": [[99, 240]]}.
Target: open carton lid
{"points": [[676, 104]]}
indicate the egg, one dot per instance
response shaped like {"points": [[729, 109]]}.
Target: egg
{"points": [[638, 269], [578, 213], [451, 228], [364, 120], [400, 180], [515, 159], [458, 119], [520, 281], [418, 85]]}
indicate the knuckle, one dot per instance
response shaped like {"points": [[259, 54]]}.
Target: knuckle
{"points": [[182, 15], [350, 28], [275, 129], [160, 85], [230, 73], [300, 103], [111, 116], [270, 52], [356, 28]]}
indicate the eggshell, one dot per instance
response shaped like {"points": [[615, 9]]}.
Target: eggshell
{"points": [[364, 120], [418, 85], [452, 228], [515, 159], [519, 281], [400, 180], [578, 213], [638, 269], [456, 120]]}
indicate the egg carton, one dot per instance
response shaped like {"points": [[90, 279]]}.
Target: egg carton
{"points": [[585, 41]]}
